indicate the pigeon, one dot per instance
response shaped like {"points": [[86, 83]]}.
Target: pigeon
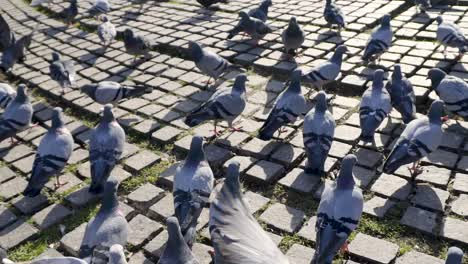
{"points": [[7, 37], [109, 227], [255, 28], [375, 106], [62, 72], [106, 31], [454, 256], [402, 94], [7, 94], [325, 72], [235, 234], [105, 148], [450, 89], [333, 15], [289, 105], [100, 7], [16, 52], [225, 104], [135, 44], [17, 116], [450, 35], [379, 41], [293, 37], [176, 250], [117, 255], [420, 137], [59, 260], [422, 5], [193, 184], [261, 12], [338, 214], [108, 92], [208, 62], [52, 155], [208, 3], [70, 12], [35, 3], [318, 132]]}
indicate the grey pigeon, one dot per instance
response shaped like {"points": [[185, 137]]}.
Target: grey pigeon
{"points": [[52, 155], [454, 256], [235, 234], [106, 31], [59, 260], [135, 44], [293, 37], [176, 250], [107, 228], [325, 72], [35, 3], [225, 104], [16, 52], [100, 7], [70, 12], [450, 35], [422, 5], [375, 106], [379, 41], [333, 15], [17, 116], [193, 184], [338, 214], [255, 28], [208, 62], [62, 72], [420, 137], [289, 105], [7, 37], [108, 92], [105, 148], [402, 94], [7, 94], [318, 132], [261, 12], [208, 3], [117, 255]]}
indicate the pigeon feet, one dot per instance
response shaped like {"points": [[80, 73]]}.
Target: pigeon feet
{"points": [[445, 119], [415, 170], [344, 248], [235, 129]]}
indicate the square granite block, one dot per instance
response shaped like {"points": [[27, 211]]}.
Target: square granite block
{"points": [[283, 217]]}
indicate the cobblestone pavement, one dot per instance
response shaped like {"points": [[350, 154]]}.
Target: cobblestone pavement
{"points": [[402, 224]]}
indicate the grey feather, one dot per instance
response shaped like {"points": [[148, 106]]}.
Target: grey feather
{"points": [[379, 41], [452, 90], [402, 95], [117, 255], [135, 44], [325, 72], [454, 256], [106, 31], [208, 62], [108, 92], [61, 71], [7, 94], [255, 28], [293, 36], [261, 12], [450, 35], [176, 250], [17, 116]]}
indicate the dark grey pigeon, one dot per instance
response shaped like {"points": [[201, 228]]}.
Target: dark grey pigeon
{"points": [[69, 14], [17, 116], [100, 7], [109, 227], [339, 212], [208, 3], [52, 155], [16, 52], [318, 132], [289, 105], [7, 94], [108, 92], [261, 12], [105, 148], [7, 37], [293, 37], [333, 15], [224, 105], [379, 41], [255, 28], [420, 137], [193, 184], [422, 5], [454, 256], [106, 31], [62, 72], [451, 35], [235, 234], [208, 62], [374, 108], [176, 250], [402, 95], [117, 255], [135, 44]]}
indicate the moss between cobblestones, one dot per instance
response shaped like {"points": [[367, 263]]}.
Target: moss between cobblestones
{"points": [[147, 175]]}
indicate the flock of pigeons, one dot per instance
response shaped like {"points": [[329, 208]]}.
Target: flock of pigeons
{"points": [[235, 234]]}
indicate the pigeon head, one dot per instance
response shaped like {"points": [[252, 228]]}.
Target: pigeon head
{"points": [[378, 79], [57, 118], [295, 85], [454, 256], [176, 247], [321, 102], [296, 75], [328, 2], [104, 18], [239, 83], [266, 4], [89, 89], [116, 254], [128, 33], [109, 199], [21, 93], [337, 57], [196, 152], [107, 114], [293, 21], [196, 51], [436, 75], [439, 20], [396, 75], [345, 179], [386, 20], [436, 112], [55, 56], [232, 177], [243, 15]]}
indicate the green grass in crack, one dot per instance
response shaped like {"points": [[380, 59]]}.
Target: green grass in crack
{"points": [[148, 175]]}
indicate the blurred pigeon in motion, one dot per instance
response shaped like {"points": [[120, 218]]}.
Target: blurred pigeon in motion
{"points": [[208, 62], [375, 106], [225, 104], [62, 72], [420, 137], [105, 148], [176, 250], [117, 255], [7, 94], [289, 105], [379, 41], [450, 89], [52, 155], [450, 35], [208, 3], [108, 92], [235, 234], [100, 7], [135, 44], [293, 37], [454, 256], [17, 115], [70, 12], [16, 52], [326, 72], [261, 12], [7, 37], [106, 31], [333, 15], [422, 5], [255, 28], [109, 227], [193, 184], [339, 213], [318, 132], [402, 94]]}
